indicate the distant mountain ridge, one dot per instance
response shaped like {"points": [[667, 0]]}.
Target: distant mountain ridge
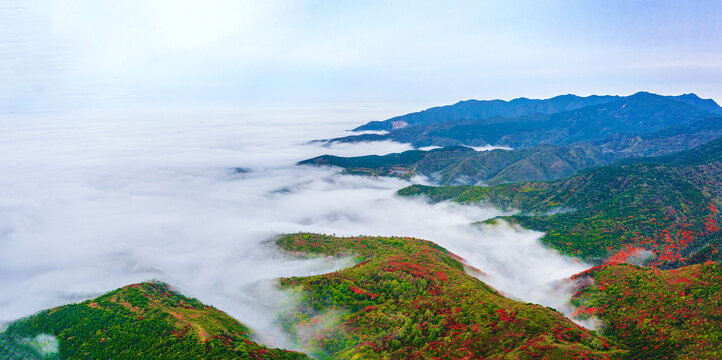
{"points": [[487, 109], [637, 114]]}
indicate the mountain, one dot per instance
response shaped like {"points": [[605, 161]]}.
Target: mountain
{"points": [[409, 298], [638, 114], [664, 207], [140, 321], [655, 314], [486, 109], [404, 165], [461, 165]]}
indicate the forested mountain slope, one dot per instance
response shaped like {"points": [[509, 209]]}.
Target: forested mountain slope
{"points": [[409, 298], [664, 207], [657, 314]]}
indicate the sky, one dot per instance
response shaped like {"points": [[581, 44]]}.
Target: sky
{"points": [[59, 56]]}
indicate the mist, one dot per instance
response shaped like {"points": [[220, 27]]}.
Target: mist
{"points": [[93, 202]]}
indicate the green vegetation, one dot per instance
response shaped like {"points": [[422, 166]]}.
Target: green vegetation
{"points": [[410, 298], [666, 205], [141, 321], [39, 347], [657, 314]]}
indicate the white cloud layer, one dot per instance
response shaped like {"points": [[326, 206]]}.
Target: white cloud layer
{"points": [[94, 202]]}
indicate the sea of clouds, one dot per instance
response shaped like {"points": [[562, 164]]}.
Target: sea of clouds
{"points": [[93, 202]]}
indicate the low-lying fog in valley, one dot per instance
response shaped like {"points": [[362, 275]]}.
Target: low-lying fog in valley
{"points": [[91, 203]]}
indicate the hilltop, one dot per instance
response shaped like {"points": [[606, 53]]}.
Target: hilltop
{"points": [[139, 321], [410, 298]]}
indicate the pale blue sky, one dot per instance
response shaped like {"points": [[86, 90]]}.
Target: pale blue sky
{"points": [[62, 56]]}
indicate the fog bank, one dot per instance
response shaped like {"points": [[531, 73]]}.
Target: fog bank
{"points": [[92, 203]]}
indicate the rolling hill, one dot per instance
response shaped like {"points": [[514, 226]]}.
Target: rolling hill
{"points": [[409, 298], [140, 321]]}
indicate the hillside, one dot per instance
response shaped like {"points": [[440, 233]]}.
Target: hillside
{"points": [[637, 114], [663, 207], [141, 321], [460, 165], [672, 314], [409, 298]]}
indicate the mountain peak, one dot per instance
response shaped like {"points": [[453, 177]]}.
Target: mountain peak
{"points": [[690, 96], [644, 94], [694, 100]]}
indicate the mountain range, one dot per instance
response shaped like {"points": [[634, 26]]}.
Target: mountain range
{"points": [[547, 146], [488, 109], [637, 114], [616, 181]]}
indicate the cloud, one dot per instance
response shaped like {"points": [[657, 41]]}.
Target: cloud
{"points": [[89, 203], [89, 54]]}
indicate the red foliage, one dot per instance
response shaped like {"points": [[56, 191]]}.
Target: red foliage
{"points": [[357, 290], [623, 255]]}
